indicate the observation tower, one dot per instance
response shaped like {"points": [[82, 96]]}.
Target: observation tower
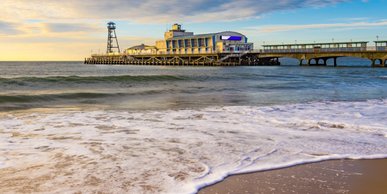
{"points": [[112, 41]]}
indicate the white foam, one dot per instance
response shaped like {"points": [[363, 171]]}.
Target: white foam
{"points": [[182, 151]]}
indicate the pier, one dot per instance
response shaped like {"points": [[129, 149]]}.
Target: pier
{"points": [[181, 48]]}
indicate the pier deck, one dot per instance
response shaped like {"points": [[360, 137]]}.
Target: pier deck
{"points": [[251, 58], [205, 59]]}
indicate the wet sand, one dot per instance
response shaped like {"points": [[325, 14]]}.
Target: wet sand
{"points": [[338, 176]]}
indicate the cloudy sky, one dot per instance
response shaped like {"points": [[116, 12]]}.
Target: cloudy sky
{"points": [[72, 29]]}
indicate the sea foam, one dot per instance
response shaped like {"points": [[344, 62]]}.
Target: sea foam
{"points": [[180, 151]]}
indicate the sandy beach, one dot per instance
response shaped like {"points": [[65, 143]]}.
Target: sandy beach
{"points": [[337, 176]]}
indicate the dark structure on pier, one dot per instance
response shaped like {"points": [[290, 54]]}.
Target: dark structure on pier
{"points": [[112, 41]]}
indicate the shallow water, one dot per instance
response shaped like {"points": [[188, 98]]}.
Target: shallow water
{"points": [[68, 127]]}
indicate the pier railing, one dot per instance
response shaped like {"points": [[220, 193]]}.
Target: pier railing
{"points": [[322, 50], [173, 53]]}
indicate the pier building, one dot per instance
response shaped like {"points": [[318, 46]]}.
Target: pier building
{"points": [[178, 41], [141, 49]]}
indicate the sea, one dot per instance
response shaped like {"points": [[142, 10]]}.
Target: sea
{"points": [[67, 127]]}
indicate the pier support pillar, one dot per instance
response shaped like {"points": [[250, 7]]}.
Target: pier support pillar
{"points": [[335, 61], [325, 61], [384, 63]]}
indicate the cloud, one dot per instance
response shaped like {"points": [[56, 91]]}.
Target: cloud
{"points": [[284, 28], [7, 28], [43, 48], [150, 11], [70, 27], [51, 29]]}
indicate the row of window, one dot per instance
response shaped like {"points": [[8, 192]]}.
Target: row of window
{"points": [[200, 42], [189, 50]]}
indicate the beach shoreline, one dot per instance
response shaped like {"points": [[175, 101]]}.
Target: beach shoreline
{"points": [[332, 176], [67, 127]]}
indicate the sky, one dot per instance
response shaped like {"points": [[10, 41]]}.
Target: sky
{"points": [[70, 30]]}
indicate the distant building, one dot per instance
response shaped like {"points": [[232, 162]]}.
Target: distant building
{"points": [[141, 49], [178, 41]]}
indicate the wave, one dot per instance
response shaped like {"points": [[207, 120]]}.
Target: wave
{"points": [[181, 151], [69, 96], [89, 79], [51, 97]]}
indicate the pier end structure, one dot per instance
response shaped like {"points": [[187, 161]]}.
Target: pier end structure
{"points": [[179, 41]]}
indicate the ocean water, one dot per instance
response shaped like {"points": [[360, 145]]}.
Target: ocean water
{"points": [[69, 127]]}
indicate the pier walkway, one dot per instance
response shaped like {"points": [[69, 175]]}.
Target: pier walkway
{"points": [[319, 53]]}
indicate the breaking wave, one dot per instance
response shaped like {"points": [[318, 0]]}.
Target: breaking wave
{"points": [[88, 79], [180, 151]]}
